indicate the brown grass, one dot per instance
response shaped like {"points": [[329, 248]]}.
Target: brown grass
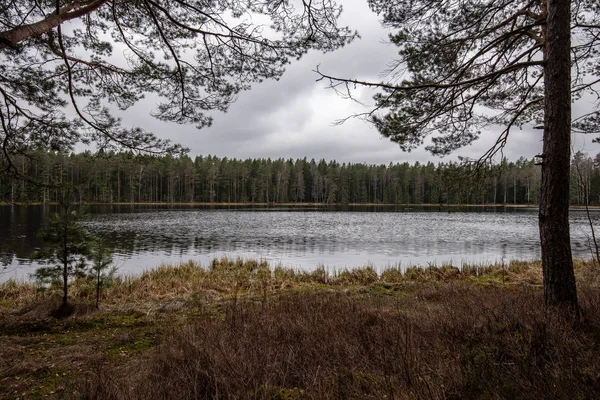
{"points": [[451, 341], [239, 329]]}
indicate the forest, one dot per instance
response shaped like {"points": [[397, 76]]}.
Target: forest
{"points": [[125, 178]]}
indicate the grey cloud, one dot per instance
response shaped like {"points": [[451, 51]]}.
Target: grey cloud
{"points": [[293, 117]]}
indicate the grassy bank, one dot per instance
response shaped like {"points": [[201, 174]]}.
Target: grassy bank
{"points": [[241, 330]]}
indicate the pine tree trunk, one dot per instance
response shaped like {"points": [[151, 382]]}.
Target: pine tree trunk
{"points": [[98, 283], [118, 183], [557, 262], [65, 298], [515, 187], [65, 271]]}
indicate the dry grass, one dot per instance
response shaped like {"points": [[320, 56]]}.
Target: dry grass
{"points": [[239, 329], [455, 340], [225, 277]]}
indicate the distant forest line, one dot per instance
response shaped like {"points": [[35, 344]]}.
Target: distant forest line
{"points": [[124, 178]]}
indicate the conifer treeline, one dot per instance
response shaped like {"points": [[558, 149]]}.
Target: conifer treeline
{"points": [[124, 178]]}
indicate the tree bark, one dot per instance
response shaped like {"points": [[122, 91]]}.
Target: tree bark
{"points": [[98, 284], [65, 299], [73, 10], [559, 279]]}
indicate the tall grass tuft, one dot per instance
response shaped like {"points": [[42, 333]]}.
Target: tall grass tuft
{"points": [[225, 277]]}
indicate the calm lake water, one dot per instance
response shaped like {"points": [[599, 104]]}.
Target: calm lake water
{"points": [[144, 237]]}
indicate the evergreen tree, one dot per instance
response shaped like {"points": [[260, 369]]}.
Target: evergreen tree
{"points": [[67, 245], [195, 55], [101, 270], [173, 180], [478, 63]]}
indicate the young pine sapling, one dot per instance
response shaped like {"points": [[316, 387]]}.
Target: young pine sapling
{"points": [[102, 270], [67, 245]]}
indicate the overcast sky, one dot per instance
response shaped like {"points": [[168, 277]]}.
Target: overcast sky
{"points": [[294, 117]]}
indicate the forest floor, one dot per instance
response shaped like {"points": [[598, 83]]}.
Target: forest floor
{"points": [[239, 329]]}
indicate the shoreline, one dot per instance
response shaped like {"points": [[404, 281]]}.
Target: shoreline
{"points": [[435, 332], [300, 205]]}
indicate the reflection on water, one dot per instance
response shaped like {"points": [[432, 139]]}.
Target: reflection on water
{"points": [[144, 237]]}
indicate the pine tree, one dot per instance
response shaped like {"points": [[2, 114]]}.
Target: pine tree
{"points": [[67, 244], [483, 63]]}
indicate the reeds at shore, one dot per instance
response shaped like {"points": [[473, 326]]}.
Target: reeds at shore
{"points": [[241, 329]]}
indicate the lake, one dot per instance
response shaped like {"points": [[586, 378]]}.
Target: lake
{"points": [[144, 237]]}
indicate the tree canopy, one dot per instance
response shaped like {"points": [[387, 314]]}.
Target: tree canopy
{"points": [[467, 65], [68, 65], [120, 178]]}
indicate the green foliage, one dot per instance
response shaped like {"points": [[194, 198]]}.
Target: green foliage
{"points": [[196, 56], [121, 177], [465, 67], [72, 252], [67, 245], [102, 270]]}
